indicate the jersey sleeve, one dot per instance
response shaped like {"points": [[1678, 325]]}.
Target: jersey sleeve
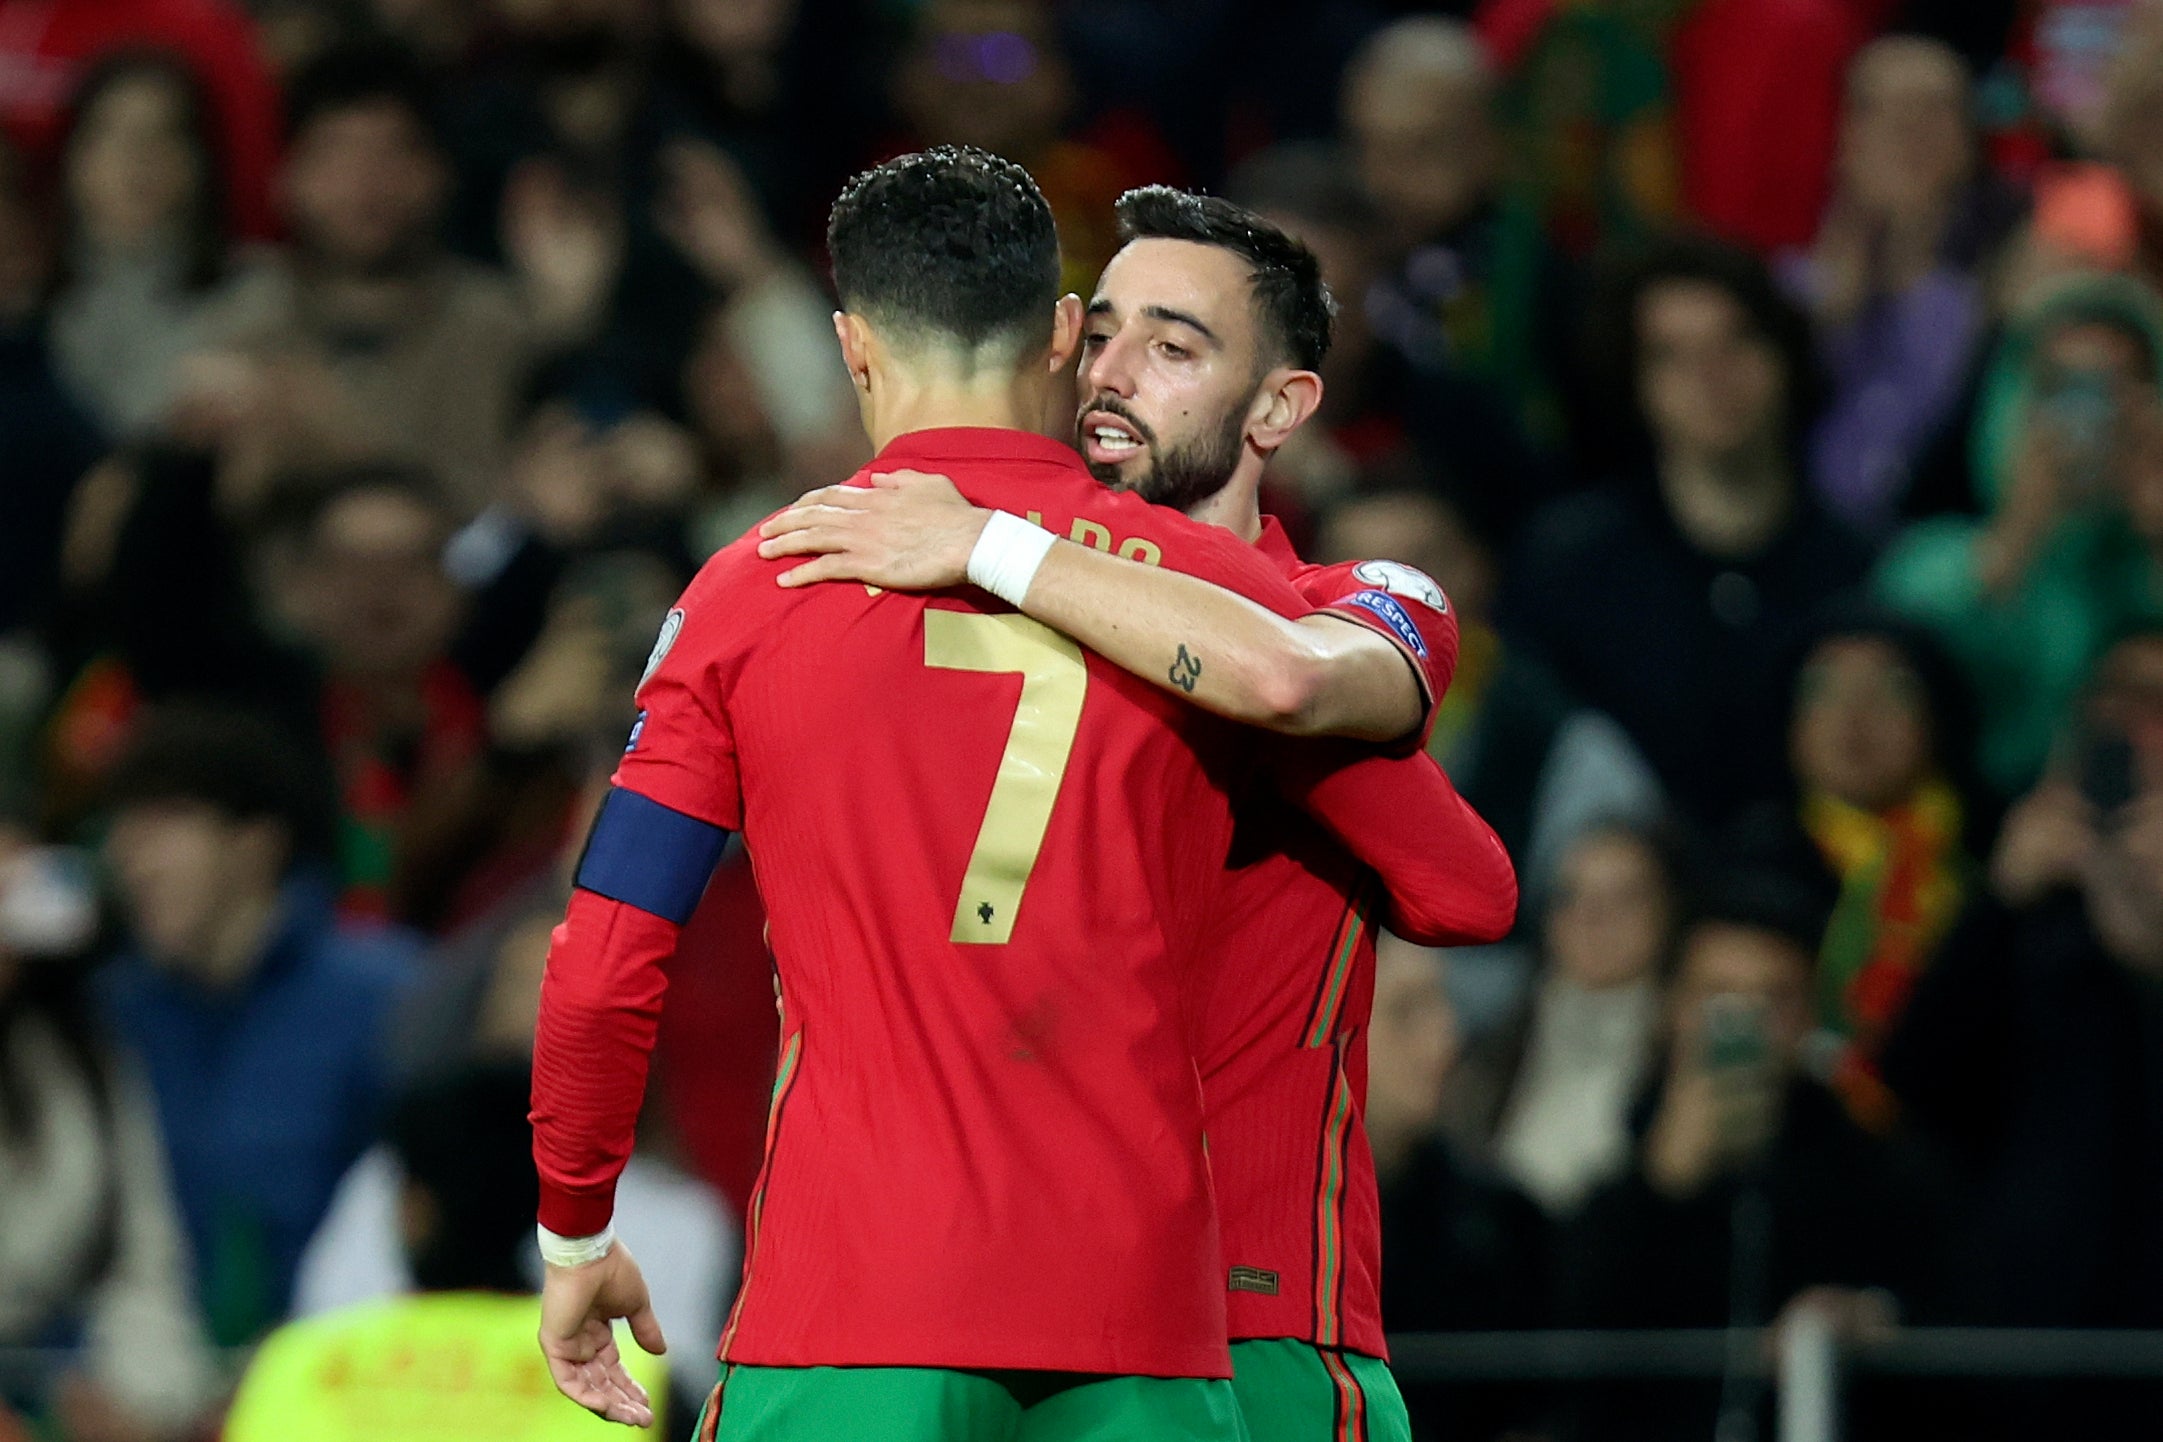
{"points": [[1449, 878], [1402, 605], [654, 844]]}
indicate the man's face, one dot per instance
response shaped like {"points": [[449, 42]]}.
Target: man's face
{"points": [[1426, 150], [1862, 724], [1709, 383], [181, 867], [1169, 370], [1741, 965], [365, 186], [373, 595]]}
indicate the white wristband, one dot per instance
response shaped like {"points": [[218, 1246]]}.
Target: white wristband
{"points": [[576, 1251], [1007, 556]]}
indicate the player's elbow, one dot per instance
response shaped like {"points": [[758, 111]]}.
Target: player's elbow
{"points": [[1290, 691]]}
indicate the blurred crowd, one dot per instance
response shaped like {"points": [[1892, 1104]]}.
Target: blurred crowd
{"points": [[1776, 387]]}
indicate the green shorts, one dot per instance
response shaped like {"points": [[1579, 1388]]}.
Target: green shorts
{"points": [[930, 1404], [1297, 1392]]}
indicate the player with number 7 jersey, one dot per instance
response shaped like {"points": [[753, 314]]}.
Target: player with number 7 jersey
{"points": [[988, 859]]}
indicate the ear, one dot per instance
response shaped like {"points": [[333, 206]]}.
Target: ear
{"points": [[855, 338], [1283, 404], [1066, 328]]}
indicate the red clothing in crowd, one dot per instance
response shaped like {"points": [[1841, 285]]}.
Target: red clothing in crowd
{"points": [[45, 45]]}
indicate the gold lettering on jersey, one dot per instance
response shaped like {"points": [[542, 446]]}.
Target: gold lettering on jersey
{"points": [[871, 590], [1036, 518], [1089, 533], [1054, 684], [1142, 549], [1253, 1279]]}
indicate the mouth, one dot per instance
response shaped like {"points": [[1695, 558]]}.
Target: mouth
{"points": [[1108, 439]]}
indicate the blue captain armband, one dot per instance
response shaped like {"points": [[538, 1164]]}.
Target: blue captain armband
{"points": [[650, 856]]}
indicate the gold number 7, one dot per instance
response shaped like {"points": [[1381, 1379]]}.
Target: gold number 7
{"points": [[1054, 683]]}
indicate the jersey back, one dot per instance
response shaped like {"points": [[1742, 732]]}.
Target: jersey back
{"points": [[987, 858]]}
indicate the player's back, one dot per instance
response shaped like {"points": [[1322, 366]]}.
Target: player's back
{"points": [[986, 857]]}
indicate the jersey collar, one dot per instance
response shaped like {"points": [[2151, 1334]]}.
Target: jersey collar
{"points": [[928, 449], [1276, 545]]}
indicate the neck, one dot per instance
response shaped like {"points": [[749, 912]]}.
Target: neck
{"points": [[1238, 506], [238, 939], [1731, 504], [895, 406]]}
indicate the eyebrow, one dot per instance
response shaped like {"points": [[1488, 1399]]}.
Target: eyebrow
{"points": [[1103, 307], [1180, 317]]}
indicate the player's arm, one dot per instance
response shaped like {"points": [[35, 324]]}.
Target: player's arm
{"points": [[653, 846], [1449, 879], [1311, 676]]}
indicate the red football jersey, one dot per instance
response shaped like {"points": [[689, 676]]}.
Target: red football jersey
{"points": [[988, 860], [1290, 988]]}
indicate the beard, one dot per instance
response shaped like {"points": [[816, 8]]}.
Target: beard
{"points": [[1181, 476]]}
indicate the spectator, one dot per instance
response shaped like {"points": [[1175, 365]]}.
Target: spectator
{"points": [[1460, 1250], [759, 81], [1538, 766], [993, 74], [1390, 418], [1749, 1183], [762, 382], [93, 1258], [2130, 112], [49, 445], [143, 237], [1468, 284], [1895, 278], [365, 340], [2033, 1051], [1666, 600], [1722, 110], [260, 1018], [465, 1209], [45, 47], [2068, 455], [1880, 742], [477, 1010], [1559, 1111]]}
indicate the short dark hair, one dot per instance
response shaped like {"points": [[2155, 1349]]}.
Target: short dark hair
{"points": [[464, 1140], [236, 760], [1296, 309], [364, 72], [1757, 896], [952, 241], [1612, 349], [299, 500]]}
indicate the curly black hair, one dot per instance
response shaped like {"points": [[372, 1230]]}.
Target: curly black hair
{"points": [[1295, 307], [951, 242]]}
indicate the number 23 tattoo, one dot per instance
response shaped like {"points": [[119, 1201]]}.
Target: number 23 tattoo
{"points": [[1186, 670]]}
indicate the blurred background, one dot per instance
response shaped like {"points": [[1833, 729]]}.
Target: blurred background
{"points": [[1773, 384]]}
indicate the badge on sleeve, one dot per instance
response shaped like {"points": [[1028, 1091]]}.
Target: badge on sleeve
{"points": [[671, 628], [1402, 580]]}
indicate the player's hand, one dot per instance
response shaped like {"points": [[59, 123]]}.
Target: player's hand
{"points": [[906, 531], [577, 1306]]}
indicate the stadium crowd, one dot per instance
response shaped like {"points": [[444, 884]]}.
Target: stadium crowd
{"points": [[1775, 386]]}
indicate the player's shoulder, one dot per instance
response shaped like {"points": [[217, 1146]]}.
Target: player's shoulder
{"points": [[1325, 585]]}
